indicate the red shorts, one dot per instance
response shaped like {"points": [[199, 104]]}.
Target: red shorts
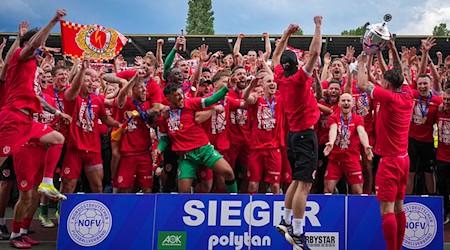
{"points": [[392, 177], [135, 167], [240, 153], [351, 167], [204, 173], [16, 129], [286, 170], [267, 160], [76, 159], [29, 166]]}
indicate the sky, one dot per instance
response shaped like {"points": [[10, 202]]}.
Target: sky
{"points": [[410, 17]]}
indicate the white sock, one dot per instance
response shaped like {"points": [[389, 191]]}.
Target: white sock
{"points": [[2, 221], [48, 181], [23, 231], [298, 226], [287, 215], [14, 235]]}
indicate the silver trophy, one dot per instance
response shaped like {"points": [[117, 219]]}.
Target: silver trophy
{"points": [[376, 36]]}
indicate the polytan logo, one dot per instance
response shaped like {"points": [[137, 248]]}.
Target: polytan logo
{"points": [[89, 223], [421, 226], [172, 240]]}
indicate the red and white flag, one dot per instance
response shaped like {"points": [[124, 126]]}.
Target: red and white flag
{"points": [[94, 41], [297, 52]]}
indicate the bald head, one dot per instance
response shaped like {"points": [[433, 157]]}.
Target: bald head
{"points": [[346, 103]]}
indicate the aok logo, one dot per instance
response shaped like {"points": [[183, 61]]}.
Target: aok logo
{"points": [[172, 240]]}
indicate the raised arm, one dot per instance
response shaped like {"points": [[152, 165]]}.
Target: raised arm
{"points": [[23, 28], [268, 46], [318, 85], [74, 90], [348, 84], [203, 57], [436, 78], [315, 46], [264, 63], [425, 47], [363, 83], [381, 62], [281, 47], [237, 48], [171, 56], [247, 96], [123, 93], [326, 65], [41, 36], [159, 51]]}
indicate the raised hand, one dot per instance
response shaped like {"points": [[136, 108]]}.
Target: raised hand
{"points": [[3, 44], [160, 42], [292, 28], [60, 13], [362, 58], [23, 28], [350, 52], [318, 20], [265, 35], [86, 63], [428, 43], [138, 60], [203, 53], [327, 58], [241, 36]]}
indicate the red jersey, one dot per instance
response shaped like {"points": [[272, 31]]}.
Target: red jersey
{"points": [[393, 121], [267, 125], [184, 133], [363, 107], [216, 127], [424, 117], [154, 92], [45, 117], [322, 124], [443, 150], [137, 137], [240, 125], [84, 133], [19, 88], [300, 104], [58, 98], [347, 139]]}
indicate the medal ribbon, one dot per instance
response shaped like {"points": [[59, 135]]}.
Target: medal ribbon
{"points": [[58, 101], [345, 128], [422, 109], [141, 112], [177, 118], [271, 105], [91, 115]]}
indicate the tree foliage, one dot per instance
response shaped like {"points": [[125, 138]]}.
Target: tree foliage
{"points": [[356, 32], [200, 19], [299, 32], [441, 30]]}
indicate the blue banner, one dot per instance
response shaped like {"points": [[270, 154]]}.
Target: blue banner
{"points": [[223, 221], [424, 223], [324, 218], [206, 221], [106, 221]]}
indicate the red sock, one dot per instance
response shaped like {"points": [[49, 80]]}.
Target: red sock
{"points": [[389, 225], [401, 227], [26, 223], [51, 159], [16, 226]]}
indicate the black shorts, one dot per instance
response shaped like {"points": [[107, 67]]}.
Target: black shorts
{"points": [[7, 170], [421, 156], [302, 149]]}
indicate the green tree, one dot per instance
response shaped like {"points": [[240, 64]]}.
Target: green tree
{"points": [[441, 30], [200, 19], [356, 32]]}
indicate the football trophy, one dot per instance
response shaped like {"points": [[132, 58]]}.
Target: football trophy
{"points": [[376, 36]]}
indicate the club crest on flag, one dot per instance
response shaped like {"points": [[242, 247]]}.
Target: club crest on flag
{"points": [[94, 41]]}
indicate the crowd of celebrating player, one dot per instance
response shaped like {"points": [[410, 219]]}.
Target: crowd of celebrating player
{"points": [[230, 123]]}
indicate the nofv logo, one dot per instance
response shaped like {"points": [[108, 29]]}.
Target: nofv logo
{"points": [[172, 240]]}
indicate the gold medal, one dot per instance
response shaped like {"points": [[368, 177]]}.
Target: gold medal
{"points": [[424, 120], [181, 126]]}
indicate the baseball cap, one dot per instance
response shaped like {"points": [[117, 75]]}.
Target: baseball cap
{"points": [[289, 63]]}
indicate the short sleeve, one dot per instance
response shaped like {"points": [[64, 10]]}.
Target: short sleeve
{"points": [[381, 95], [126, 74]]}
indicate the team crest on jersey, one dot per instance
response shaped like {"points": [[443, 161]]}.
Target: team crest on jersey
{"points": [[97, 42], [66, 170], [120, 179], [24, 184], [6, 172], [6, 149]]}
